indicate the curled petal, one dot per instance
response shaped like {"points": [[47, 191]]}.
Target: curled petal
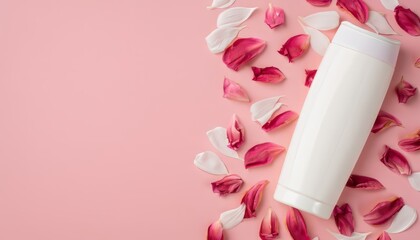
{"points": [[234, 91], [218, 138], [233, 217], [220, 38], [379, 24], [242, 51], [357, 8], [404, 91], [262, 154], [395, 161], [296, 225], [274, 16], [411, 143], [417, 63], [384, 236], [414, 180], [319, 3], [262, 110], [363, 182], [343, 217], [229, 184], [270, 227], [252, 198], [215, 231], [323, 21], [221, 4], [319, 41], [235, 134], [383, 121], [390, 4], [404, 219], [234, 17], [295, 46], [280, 120], [268, 75], [383, 211], [211, 163], [310, 75], [407, 20], [354, 236]]}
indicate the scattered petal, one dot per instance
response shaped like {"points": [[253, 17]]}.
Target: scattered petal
{"points": [[234, 91], [319, 3], [262, 154], [242, 51], [323, 21], [220, 38], [233, 217], [280, 120], [414, 180], [404, 219], [295, 46], [270, 226], [383, 121], [209, 162], [262, 110], [315, 238], [417, 63], [221, 4], [268, 75], [404, 91], [218, 138], [252, 198], [234, 16], [390, 4], [354, 236], [411, 143], [379, 24], [319, 41], [310, 75], [229, 184], [383, 211], [407, 20], [274, 16], [363, 182], [344, 221], [215, 231], [357, 8], [235, 133], [296, 225], [395, 161], [384, 236]]}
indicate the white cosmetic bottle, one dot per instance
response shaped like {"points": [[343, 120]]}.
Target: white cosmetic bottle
{"points": [[336, 119]]}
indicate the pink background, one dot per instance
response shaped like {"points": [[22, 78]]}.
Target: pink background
{"points": [[105, 103]]}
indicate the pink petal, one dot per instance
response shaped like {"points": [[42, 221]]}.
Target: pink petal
{"points": [[229, 184], [274, 16], [319, 3], [395, 161], [310, 75], [295, 46], [384, 236], [417, 63], [411, 143], [252, 198], [235, 134], [368, 183], [407, 20], [268, 75], [262, 154], [383, 211], [270, 227], [296, 225], [404, 91], [242, 51], [384, 121], [215, 231], [343, 217], [234, 91], [357, 8], [280, 120]]}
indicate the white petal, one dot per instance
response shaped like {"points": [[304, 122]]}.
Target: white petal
{"points": [[221, 4], [319, 41], [233, 217], [322, 20], [209, 162], [404, 219], [234, 16], [220, 38], [414, 180], [262, 110], [315, 238], [390, 4], [218, 138], [354, 236], [379, 23]]}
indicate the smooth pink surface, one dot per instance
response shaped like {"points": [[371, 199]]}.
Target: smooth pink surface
{"points": [[105, 103]]}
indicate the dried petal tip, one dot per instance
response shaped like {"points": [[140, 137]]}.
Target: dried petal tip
{"points": [[215, 231], [384, 236], [270, 227], [268, 75], [407, 20], [229, 184], [274, 16], [252, 198], [235, 133], [319, 3], [411, 143], [343, 217], [404, 91], [295, 46], [417, 63], [280, 120], [310, 75], [234, 91], [363, 182], [395, 161], [262, 154], [242, 51], [296, 225], [383, 211], [383, 121], [357, 8]]}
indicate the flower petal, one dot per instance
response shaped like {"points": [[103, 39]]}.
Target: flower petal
{"points": [[411, 143], [296, 225], [323, 21], [295, 46], [384, 236], [209, 162], [221, 4], [363, 182], [383, 121], [344, 221], [319, 3], [252, 198], [262, 154], [270, 226], [220, 38], [229, 184], [395, 161], [218, 138], [354, 236], [310, 75], [417, 63], [404, 91], [357, 8], [235, 133], [262, 110], [414, 180], [242, 51], [234, 91], [234, 16], [383, 211], [315, 238], [268, 75], [404, 219], [274, 16], [390, 4], [407, 20], [280, 120], [319, 41], [215, 231], [379, 24], [233, 217]]}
